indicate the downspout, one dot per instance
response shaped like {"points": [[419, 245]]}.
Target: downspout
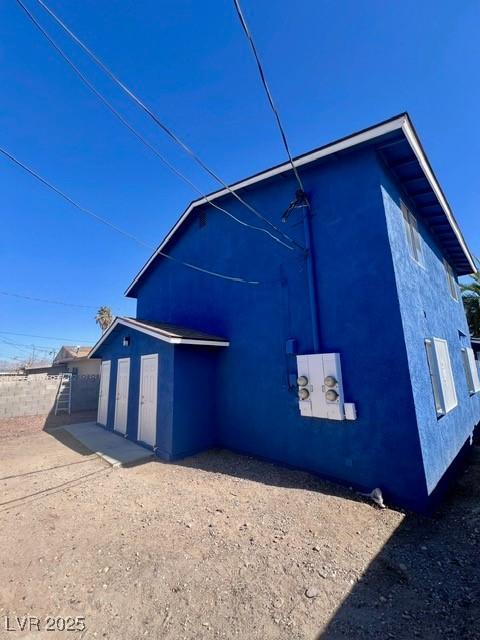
{"points": [[301, 201], [311, 278]]}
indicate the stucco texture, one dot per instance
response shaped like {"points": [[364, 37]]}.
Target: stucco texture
{"points": [[256, 411], [428, 310]]}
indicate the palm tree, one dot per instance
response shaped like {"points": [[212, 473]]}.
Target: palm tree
{"points": [[104, 318], [471, 302]]}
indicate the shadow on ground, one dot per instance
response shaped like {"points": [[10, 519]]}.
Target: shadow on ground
{"points": [[226, 462], [425, 583], [53, 425]]}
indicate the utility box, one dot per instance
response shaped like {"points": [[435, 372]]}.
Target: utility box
{"points": [[320, 389]]}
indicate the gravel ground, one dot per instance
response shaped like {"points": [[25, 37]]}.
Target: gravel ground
{"points": [[224, 546], [24, 425]]}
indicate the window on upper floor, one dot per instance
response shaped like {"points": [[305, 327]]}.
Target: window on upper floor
{"points": [[413, 237], [471, 371], [451, 281], [441, 375]]}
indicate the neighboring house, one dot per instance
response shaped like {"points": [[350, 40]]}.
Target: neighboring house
{"points": [[352, 361], [52, 370], [85, 381], [75, 360]]}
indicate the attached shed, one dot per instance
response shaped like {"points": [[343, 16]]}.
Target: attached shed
{"points": [[156, 381]]}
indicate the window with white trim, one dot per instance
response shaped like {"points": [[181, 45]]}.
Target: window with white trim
{"points": [[471, 371], [413, 237], [452, 283], [441, 375]]}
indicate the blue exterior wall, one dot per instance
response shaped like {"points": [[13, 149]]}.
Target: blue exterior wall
{"points": [[185, 404], [195, 393], [428, 310], [140, 344], [256, 410]]}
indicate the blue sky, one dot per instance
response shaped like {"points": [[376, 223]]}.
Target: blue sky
{"points": [[333, 66]]}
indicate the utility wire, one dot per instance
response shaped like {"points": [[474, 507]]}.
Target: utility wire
{"points": [[31, 335], [28, 346], [118, 229], [301, 199], [136, 133], [72, 202], [164, 128], [267, 89], [17, 348], [64, 304]]}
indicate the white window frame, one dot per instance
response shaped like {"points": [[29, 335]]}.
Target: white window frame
{"points": [[441, 374], [451, 282], [471, 371], [414, 239]]}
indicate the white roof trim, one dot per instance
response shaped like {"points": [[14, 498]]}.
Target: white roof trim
{"points": [[425, 165], [155, 334], [401, 122]]}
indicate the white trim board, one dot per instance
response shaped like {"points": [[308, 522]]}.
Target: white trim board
{"points": [[401, 122], [425, 165], [156, 334]]}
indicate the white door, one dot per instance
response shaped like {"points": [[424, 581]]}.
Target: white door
{"points": [[147, 410], [121, 396], [103, 393]]}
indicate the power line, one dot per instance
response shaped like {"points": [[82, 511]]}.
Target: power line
{"points": [[301, 199], [164, 128], [22, 345], [72, 202], [267, 90], [136, 133], [64, 304], [17, 349], [118, 229], [32, 335]]}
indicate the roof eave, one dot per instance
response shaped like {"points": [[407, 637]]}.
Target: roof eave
{"points": [[155, 334], [419, 152]]}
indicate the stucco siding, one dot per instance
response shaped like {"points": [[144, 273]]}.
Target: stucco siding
{"points": [[84, 366], [256, 409], [428, 310], [195, 395], [141, 344]]}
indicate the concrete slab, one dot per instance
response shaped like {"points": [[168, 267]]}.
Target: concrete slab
{"points": [[114, 449]]}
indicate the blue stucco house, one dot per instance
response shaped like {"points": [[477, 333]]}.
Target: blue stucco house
{"points": [[345, 352]]}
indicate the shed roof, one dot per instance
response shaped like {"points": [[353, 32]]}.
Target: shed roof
{"points": [[401, 149], [163, 331]]}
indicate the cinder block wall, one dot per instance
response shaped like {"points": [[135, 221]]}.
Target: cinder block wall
{"points": [[31, 395], [85, 390], [35, 394]]}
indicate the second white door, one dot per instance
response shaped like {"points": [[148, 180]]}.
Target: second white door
{"points": [[121, 396], [103, 393], [147, 411]]}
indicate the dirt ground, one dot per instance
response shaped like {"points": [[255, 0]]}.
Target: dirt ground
{"points": [[223, 546]]}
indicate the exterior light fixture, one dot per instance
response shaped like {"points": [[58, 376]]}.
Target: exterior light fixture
{"points": [[302, 381]]}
